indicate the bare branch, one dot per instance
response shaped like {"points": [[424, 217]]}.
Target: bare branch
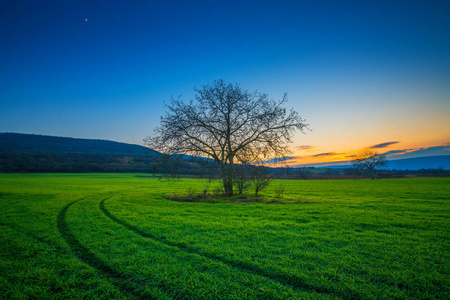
{"points": [[229, 125], [369, 160]]}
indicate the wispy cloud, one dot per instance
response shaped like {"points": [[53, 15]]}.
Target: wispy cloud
{"points": [[402, 151], [279, 159], [335, 158], [304, 147], [383, 145], [418, 152], [327, 154]]}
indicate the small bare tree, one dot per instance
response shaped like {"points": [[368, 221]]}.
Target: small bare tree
{"points": [[242, 180], [229, 125], [260, 178], [369, 160]]}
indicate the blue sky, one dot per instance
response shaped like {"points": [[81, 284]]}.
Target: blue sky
{"points": [[361, 73]]}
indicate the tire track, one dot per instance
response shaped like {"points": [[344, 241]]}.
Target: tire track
{"points": [[25, 232], [85, 255], [292, 281]]}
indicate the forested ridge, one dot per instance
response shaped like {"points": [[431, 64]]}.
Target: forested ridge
{"points": [[40, 153]]}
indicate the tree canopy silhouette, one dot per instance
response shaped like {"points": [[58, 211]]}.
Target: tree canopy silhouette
{"points": [[369, 160], [229, 125]]}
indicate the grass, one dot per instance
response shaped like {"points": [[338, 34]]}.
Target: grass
{"points": [[115, 236]]}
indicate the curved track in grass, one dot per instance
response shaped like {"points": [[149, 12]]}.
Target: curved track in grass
{"points": [[85, 255], [291, 281]]}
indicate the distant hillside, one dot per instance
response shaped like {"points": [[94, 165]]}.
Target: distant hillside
{"points": [[40, 153], [43, 144], [417, 163], [428, 162]]}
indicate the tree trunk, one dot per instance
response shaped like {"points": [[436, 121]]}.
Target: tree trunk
{"points": [[228, 185], [227, 179], [230, 176]]}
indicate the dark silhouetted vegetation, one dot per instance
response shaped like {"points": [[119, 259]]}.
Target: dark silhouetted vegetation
{"points": [[369, 161], [43, 144], [22, 153], [230, 126]]}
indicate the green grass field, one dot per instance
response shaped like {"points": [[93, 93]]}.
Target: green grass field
{"points": [[114, 236]]}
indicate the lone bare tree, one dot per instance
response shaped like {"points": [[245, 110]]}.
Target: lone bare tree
{"points": [[369, 160], [229, 125]]}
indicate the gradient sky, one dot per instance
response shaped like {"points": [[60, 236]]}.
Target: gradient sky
{"points": [[362, 73]]}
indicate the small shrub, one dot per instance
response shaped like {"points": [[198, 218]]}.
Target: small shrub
{"points": [[279, 191]]}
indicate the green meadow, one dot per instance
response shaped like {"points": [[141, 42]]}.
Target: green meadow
{"points": [[115, 236]]}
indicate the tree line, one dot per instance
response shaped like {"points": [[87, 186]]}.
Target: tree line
{"points": [[102, 163]]}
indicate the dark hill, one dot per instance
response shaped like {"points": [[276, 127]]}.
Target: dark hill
{"points": [[43, 144], [426, 162], [41, 153], [416, 163]]}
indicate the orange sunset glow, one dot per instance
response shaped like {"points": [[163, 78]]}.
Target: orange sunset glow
{"points": [[309, 155]]}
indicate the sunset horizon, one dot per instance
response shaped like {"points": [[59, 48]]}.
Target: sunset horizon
{"points": [[311, 156]]}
